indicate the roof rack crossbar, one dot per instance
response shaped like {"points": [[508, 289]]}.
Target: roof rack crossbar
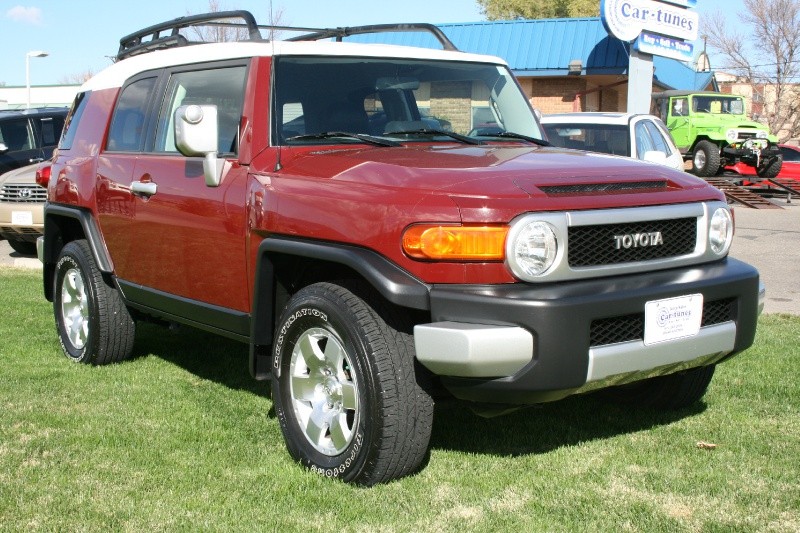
{"points": [[135, 43], [340, 33], [166, 34]]}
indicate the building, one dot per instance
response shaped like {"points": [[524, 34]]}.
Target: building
{"points": [[562, 64], [41, 96]]}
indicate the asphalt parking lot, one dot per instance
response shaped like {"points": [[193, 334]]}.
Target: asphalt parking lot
{"points": [[766, 238]]}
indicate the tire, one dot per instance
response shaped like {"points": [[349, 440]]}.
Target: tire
{"points": [[670, 392], [344, 385], [706, 159], [93, 324], [23, 247], [769, 169]]}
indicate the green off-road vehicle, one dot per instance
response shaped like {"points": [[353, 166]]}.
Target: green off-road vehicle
{"points": [[712, 130]]}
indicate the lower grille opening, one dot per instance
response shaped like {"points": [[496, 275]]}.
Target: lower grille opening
{"points": [[631, 327]]}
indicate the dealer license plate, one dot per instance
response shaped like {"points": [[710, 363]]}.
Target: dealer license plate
{"points": [[21, 218], [672, 318]]}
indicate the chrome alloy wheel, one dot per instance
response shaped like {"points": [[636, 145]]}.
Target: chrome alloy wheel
{"points": [[324, 391], [700, 159], [75, 308]]}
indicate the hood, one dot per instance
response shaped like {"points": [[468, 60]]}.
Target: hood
{"points": [[481, 172], [20, 176]]}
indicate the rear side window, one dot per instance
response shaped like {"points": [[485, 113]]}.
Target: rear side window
{"points": [[127, 125], [73, 119], [222, 87], [50, 129]]}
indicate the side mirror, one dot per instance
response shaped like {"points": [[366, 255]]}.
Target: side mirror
{"points": [[196, 134], [654, 156], [3, 148]]}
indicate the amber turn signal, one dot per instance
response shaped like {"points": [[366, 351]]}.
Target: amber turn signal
{"points": [[451, 243]]}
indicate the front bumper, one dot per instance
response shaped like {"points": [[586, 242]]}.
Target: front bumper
{"points": [[522, 344], [21, 221]]}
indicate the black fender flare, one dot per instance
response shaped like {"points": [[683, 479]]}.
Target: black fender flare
{"points": [[54, 239], [392, 282]]}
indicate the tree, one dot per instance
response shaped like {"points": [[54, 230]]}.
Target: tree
{"points": [[538, 9], [220, 34], [767, 56]]}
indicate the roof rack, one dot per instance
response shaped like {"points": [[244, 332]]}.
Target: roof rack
{"points": [[156, 37]]}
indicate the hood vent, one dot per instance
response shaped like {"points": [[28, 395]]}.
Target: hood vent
{"points": [[583, 188]]}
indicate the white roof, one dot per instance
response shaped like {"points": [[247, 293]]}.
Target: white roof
{"points": [[116, 74], [591, 118]]}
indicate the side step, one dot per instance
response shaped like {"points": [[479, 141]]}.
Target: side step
{"points": [[741, 195]]}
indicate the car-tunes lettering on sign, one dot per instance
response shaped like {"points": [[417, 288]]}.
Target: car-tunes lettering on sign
{"points": [[626, 19]]}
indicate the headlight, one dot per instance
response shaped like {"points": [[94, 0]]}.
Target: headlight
{"points": [[720, 231], [762, 134], [534, 249], [731, 135]]}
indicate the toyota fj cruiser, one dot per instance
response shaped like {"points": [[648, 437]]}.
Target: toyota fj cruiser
{"points": [[323, 202], [712, 130]]}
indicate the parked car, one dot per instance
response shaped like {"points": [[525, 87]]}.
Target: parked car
{"points": [[29, 135], [712, 131], [21, 203], [789, 170], [627, 134], [370, 273]]}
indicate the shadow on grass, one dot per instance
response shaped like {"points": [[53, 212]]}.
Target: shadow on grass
{"points": [[532, 430], [205, 355], [546, 427]]}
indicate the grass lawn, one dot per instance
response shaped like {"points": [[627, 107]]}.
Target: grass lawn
{"points": [[181, 439]]}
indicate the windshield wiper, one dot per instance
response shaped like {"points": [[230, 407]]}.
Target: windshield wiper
{"points": [[512, 135], [369, 139], [431, 131]]}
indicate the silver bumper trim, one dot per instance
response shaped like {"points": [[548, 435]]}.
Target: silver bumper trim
{"points": [[472, 350], [633, 357]]}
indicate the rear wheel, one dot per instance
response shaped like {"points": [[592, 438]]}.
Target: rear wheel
{"points": [[344, 386], [93, 323], [22, 247], [673, 391], [706, 159]]}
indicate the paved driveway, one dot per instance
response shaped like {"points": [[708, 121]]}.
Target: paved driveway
{"points": [[766, 238]]}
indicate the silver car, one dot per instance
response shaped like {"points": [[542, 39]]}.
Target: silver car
{"points": [[21, 203]]}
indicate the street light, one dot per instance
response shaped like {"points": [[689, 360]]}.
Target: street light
{"points": [[28, 56]]}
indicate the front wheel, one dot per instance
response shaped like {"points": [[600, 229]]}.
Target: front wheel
{"points": [[770, 167], [344, 385], [706, 159], [93, 324]]}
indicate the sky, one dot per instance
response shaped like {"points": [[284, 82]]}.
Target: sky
{"points": [[81, 35]]}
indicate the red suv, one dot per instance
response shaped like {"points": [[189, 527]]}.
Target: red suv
{"points": [[325, 203]]}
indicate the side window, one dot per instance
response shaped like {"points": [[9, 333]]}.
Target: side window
{"points": [[222, 87], [680, 107], [127, 124], [16, 135], [659, 143], [643, 141], [73, 119]]}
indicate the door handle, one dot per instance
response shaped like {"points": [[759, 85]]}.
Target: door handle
{"points": [[145, 188], [36, 159]]}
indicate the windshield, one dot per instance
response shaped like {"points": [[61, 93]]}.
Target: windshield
{"points": [[718, 105], [605, 138], [396, 99]]}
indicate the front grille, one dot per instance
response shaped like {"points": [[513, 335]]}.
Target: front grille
{"points": [[22, 193], [631, 327], [746, 135], [606, 244], [603, 187]]}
